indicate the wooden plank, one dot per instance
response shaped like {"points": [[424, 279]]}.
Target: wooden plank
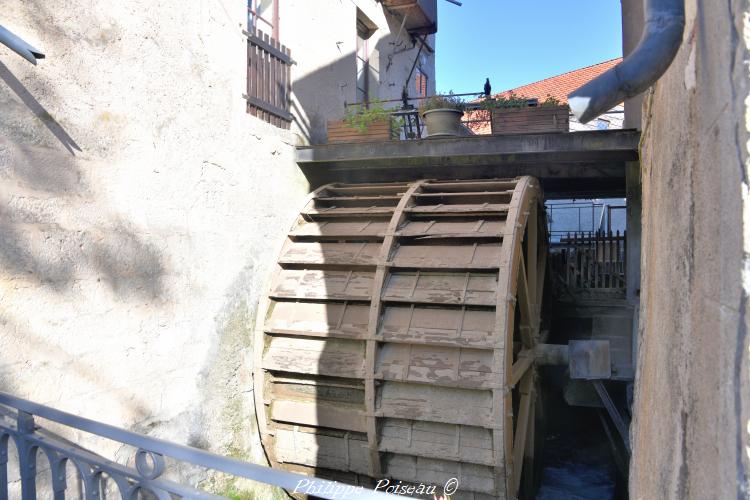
{"points": [[330, 253], [476, 256], [355, 189], [318, 319], [435, 404], [460, 443], [341, 229], [471, 477], [250, 75], [286, 84], [320, 449], [471, 288], [460, 209], [257, 38], [492, 228], [439, 327], [330, 357], [327, 212], [319, 414], [320, 284], [429, 364], [462, 186], [266, 87]]}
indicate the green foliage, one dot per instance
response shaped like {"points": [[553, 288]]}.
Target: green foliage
{"points": [[235, 494], [445, 101], [360, 117], [515, 101], [550, 102], [510, 101], [397, 124]]}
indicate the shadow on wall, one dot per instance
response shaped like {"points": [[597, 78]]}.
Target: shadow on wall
{"points": [[38, 110], [320, 95], [55, 234]]}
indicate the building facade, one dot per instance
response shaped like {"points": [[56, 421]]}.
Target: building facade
{"points": [[142, 206]]}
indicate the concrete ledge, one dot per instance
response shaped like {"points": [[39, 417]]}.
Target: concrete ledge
{"points": [[576, 163]]}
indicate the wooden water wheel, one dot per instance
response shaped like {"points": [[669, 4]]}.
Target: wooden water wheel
{"points": [[398, 336]]}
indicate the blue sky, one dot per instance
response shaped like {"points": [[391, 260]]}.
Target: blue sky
{"points": [[514, 42]]}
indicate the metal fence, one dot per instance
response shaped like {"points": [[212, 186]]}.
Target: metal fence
{"points": [[590, 260], [147, 479], [268, 79], [566, 217]]}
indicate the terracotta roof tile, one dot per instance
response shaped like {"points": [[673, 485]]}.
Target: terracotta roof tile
{"points": [[561, 85], [558, 86]]}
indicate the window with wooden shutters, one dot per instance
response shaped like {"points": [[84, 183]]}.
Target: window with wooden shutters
{"points": [[268, 65]]}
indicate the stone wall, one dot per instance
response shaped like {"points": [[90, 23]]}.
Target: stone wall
{"points": [[690, 432]]}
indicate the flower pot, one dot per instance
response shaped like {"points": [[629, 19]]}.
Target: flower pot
{"points": [[442, 122]]}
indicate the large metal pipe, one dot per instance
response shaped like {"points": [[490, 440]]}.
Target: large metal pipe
{"points": [[19, 46], [661, 38]]}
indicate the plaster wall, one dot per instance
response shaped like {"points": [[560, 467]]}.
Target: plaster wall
{"points": [[690, 428], [322, 36], [141, 210]]}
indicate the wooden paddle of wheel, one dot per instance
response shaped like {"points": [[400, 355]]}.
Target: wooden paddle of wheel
{"points": [[397, 340]]}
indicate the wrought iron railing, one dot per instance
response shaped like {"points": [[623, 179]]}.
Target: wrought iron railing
{"points": [[146, 478]]}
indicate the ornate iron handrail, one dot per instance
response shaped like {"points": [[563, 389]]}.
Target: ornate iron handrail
{"points": [[149, 460]]}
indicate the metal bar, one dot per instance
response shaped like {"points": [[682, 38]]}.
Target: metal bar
{"points": [[614, 413], [19, 46], [417, 98], [329, 489], [269, 108]]}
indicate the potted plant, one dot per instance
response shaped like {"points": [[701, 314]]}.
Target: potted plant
{"points": [[442, 115], [362, 123]]}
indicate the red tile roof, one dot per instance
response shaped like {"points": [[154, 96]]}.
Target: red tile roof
{"points": [[558, 86], [561, 85]]}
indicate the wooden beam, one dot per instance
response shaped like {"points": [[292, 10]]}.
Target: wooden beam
{"points": [[522, 430], [381, 274], [525, 360], [524, 306]]}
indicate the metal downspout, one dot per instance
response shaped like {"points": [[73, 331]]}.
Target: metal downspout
{"points": [[661, 38], [20, 47]]}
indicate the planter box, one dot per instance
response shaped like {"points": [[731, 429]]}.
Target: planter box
{"points": [[338, 131], [530, 120]]}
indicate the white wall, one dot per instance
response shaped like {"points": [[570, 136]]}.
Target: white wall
{"points": [[322, 36], [141, 209]]}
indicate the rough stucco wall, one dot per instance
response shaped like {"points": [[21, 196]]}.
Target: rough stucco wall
{"points": [[326, 30], [691, 401], [141, 210]]}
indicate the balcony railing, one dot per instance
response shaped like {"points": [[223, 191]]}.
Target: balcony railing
{"points": [[148, 477]]}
